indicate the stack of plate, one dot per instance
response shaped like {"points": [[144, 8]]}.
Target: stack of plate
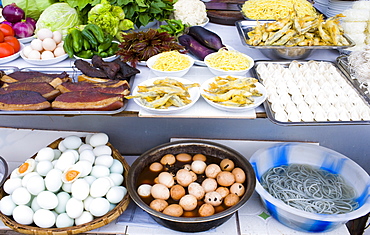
{"points": [[337, 6], [321, 5]]}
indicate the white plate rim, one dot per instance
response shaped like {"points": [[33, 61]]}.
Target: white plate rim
{"points": [[258, 100], [26, 39], [12, 57], [194, 96], [44, 62]]}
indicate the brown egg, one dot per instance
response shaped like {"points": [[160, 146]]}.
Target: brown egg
{"points": [[156, 180], [206, 210], [239, 175], [198, 166], [225, 178], [192, 213], [159, 191], [177, 192], [187, 167], [213, 198], [223, 191], [231, 200], [200, 157], [158, 204], [156, 167], [173, 210], [183, 157], [188, 202], [168, 159], [212, 170], [197, 190], [227, 164], [166, 179], [209, 185], [193, 175], [237, 189], [144, 190], [184, 177]]}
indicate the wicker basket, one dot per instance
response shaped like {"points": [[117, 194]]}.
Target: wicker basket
{"points": [[94, 224]]}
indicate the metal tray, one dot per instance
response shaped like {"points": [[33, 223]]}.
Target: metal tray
{"points": [[281, 52], [73, 72], [271, 114]]}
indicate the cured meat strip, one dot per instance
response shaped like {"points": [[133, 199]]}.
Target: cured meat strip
{"points": [[87, 100], [34, 76], [105, 87], [23, 101], [44, 88], [110, 68], [89, 70]]}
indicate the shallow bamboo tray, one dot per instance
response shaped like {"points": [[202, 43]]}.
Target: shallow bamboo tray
{"points": [[94, 224]]}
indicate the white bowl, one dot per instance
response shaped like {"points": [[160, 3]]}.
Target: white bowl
{"points": [[206, 21], [11, 57], [179, 73], [220, 72], [258, 100], [44, 61], [106, 59], [302, 153], [194, 96]]}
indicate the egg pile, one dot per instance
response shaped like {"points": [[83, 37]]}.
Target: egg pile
{"points": [[197, 188], [311, 91], [47, 45], [67, 186]]}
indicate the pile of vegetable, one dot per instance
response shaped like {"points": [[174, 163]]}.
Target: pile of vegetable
{"points": [[8, 43], [89, 40], [15, 17]]}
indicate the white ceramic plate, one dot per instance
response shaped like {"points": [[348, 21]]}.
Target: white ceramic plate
{"points": [[106, 59], [45, 61], [11, 57], [258, 100], [201, 62], [27, 39], [194, 96], [205, 22]]}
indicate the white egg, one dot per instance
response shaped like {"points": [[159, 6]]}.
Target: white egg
{"points": [[44, 218], [90, 179], [87, 202], [57, 153], [84, 147], [21, 196], [61, 147], [85, 217], [67, 187], [72, 142], [63, 220], [104, 160], [87, 138], [99, 171], [45, 154], [44, 33], [74, 207], [72, 173], [27, 167], [61, 44], [102, 150], [57, 36], [53, 180], [34, 205], [75, 153], [99, 206], [86, 167], [80, 189], [47, 55], [116, 178], [100, 187], [59, 51], [23, 215], [11, 184], [26, 50], [36, 44], [116, 193], [35, 184], [27, 177], [87, 155], [47, 200], [99, 139], [7, 205], [34, 55], [116, 167], [63, 197], [66, 160], [43, 167]]}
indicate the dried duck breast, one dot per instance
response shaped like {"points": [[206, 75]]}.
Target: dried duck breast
{"points": [[44, 88], [35, 76], [111, 87], [23, 101]]}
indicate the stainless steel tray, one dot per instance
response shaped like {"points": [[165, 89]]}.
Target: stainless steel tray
{"points": [[73, 72], [271, 114], [281, 52]]}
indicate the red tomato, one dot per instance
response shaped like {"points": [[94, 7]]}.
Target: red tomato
{"points": [[1, 36], [6, 49], [13, 42], [7, 30]]}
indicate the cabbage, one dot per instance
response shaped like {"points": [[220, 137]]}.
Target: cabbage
{"points": [[33, 8], [58, 17]]}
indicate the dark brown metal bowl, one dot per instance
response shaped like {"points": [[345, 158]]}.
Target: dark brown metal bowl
{"points": [[190, 224]]}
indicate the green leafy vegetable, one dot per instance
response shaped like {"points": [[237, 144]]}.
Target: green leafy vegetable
{"points": [[33, 8], [141, 12], [111, 19], [58, 17]]}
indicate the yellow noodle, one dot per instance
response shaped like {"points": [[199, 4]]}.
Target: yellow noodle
{"points": [[228, 60], [171, 61]]}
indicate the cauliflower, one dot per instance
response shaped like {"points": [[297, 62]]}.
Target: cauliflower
{"points": [[191, 12]]}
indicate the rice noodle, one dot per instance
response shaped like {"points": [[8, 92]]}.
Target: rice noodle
{"points": [[309, 189]]}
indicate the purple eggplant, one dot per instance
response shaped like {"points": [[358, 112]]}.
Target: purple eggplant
{"points": [[206, 37], [194, 47]]}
